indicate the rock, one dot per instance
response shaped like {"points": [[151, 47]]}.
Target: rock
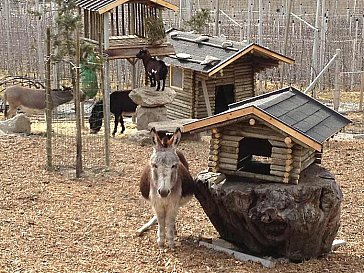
{"points": [[297, 222], [170, 125], [141, 137], [17, 124], [145, 115], [148, 97]]}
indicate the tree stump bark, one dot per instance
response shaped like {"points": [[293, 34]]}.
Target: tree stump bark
{"points": [[273, 219]]}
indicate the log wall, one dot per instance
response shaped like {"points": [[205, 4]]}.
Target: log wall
{"points": [[190, 101], [181, 107], [287, 160]]}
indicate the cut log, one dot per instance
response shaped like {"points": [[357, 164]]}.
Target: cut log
{"points": [[271, 219]]}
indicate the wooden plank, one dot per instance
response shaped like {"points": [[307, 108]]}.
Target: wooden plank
{"points": [[282, 156], [225, 166], [239, 255], [255, 175], [206, 97], [279, 173], [282, 162], [228, 161], [229, 143], [228, 149], [281, 150], [232, 138], [280, 168], [281, 144], [228, 155]]}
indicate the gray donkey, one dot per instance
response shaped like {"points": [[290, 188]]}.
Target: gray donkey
{"points": [[167, 183], [30, 99]]}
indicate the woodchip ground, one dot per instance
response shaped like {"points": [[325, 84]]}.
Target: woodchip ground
{"points": [[49, 223]]}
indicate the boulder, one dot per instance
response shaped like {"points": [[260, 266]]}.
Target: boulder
{"points": [[141, 137], [148, 97], [170, 126], [145, 115], [297, 222], [17, 124]]}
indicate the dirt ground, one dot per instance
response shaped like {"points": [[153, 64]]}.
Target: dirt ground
{"points": [[49, 223]]}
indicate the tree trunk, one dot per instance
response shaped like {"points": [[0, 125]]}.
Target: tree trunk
{"points": [[274, 219]]}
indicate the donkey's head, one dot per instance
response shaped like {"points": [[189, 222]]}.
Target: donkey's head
{"points": [[164, 162], [143, 53]]}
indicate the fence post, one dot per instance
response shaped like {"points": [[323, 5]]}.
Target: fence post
{"points": [[361, 92], [78, 108], [48, 102], [216, 30], [337, 82]]}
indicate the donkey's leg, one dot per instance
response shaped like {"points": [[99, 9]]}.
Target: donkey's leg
{"points": [[116, 121], [12, 112], [171, 225], [158, 85], [164, 84], [122, 123], [161, 234]]}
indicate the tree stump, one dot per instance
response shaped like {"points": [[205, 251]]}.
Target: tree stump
{"points": [[274, 219]]}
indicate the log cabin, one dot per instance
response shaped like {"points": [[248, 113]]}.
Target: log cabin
{"points": [[272, 137], [208, 73]]}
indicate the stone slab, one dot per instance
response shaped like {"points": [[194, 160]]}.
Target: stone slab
{"points": [[148, 97], [17, 124]]}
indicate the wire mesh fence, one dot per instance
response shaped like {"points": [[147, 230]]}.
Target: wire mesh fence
{"points": [[340, 23]]}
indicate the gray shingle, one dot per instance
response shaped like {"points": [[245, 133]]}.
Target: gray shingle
{"points": [[299, 111]]}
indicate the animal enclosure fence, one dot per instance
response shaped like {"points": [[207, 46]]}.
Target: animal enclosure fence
{"points": [[340, 25]]}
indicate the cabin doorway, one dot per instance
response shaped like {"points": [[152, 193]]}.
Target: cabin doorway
{"points": [[255, 155], [224, 95]]}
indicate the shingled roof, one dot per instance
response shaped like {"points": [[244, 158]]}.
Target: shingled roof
{"points": [[288, 109], [102, 6], [188, 43]]}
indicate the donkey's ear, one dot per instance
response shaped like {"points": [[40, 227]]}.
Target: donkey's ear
{"points": [[176, 138], [155, 138]]}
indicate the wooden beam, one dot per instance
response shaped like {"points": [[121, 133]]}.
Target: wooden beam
{"points": [[251, 49], [114, 4], [206, 97]]}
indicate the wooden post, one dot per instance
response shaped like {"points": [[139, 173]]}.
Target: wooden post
{"points": [[286, 33], [315, 47], [361, 92], [206, 97], [78, 109], [216, 30], [260, 24], [337, 82], [48, 102], [106, 95], [250, 6]]}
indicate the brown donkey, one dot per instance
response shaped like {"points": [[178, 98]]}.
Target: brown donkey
{"points": [[167, 184]]}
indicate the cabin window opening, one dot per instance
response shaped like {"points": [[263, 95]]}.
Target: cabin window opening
{"points": [[254, 155], [224, 95], [176, 77]]}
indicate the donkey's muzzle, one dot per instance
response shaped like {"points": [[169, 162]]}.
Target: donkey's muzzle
{"points": [[163, 193]]}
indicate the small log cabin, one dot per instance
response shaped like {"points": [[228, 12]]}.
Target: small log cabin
{"points": [[120, 26], [272, 137], [208, 73]]}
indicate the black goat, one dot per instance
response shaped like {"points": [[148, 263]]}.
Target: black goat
{"points": [[156, 69], [120, 103]]}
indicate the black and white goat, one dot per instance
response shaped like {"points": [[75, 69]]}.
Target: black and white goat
{"points": [[156, 69]]}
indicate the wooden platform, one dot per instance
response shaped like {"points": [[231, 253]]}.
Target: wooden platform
{"points": [[123, 47]]}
